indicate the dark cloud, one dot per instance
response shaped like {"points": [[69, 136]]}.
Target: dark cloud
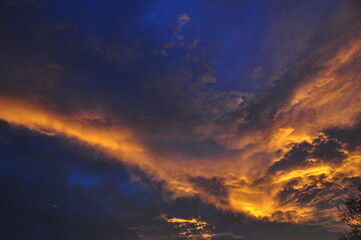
{"points": [[156, 92], [215, 187], [329, 151], [295, 157], [49, 191], [351, 135], [320, 151], [189, 148]]}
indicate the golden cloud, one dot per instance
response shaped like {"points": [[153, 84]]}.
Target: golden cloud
{"points": [[329, 98]]}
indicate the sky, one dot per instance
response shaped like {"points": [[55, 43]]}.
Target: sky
{"points": [[178, 119]]}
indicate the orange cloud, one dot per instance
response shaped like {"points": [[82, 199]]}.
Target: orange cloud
{"points": [[330, 98], [191, 228]]}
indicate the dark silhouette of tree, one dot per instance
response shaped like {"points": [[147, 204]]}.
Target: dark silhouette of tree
{"points": [[350, 214]]}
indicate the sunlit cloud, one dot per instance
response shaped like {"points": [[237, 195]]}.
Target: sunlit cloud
{"points": [[263, 180], [191, 228]]}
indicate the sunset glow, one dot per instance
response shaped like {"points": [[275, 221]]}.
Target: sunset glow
{"points": [[180, 120]]}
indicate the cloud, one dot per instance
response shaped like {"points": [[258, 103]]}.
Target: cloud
{"points": [[37, 174], [291, 140], [183, 19], [48, 172], [321, 149], [183, 123], [213, 189], [348, 135]]}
